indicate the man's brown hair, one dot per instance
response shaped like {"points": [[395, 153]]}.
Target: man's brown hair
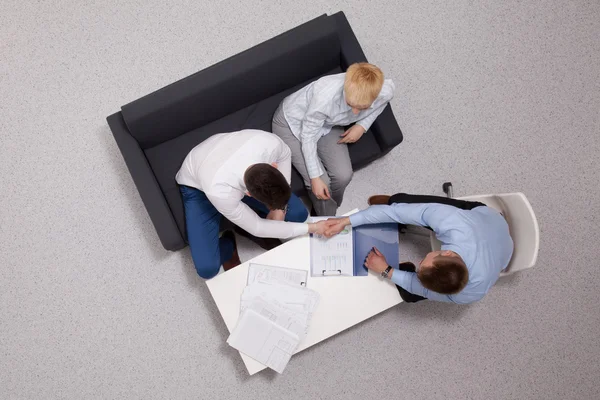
{"points": [[446, 275], [266, 184]]}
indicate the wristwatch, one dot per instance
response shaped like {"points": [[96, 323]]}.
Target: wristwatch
{"points": [[386, 272]]}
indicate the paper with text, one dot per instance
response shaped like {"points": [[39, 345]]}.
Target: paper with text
{"points": [[334, 255], [263, 340], [271, 275]]}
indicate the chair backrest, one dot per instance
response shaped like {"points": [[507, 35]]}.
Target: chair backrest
{"points": [[522, 224]]}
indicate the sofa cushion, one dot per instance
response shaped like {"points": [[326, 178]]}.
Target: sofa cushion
{"points": [[234, 84]]}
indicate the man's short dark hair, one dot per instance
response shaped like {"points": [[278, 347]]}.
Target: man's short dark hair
{"points": [[446, 275], [266, 184]]}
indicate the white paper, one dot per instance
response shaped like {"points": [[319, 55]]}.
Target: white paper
{"points": [[263, 340], [295, 299], [294, 321], [276, 275], [332, 256]]}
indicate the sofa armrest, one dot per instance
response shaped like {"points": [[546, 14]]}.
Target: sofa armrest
{"points": [[147, 185], [386, 130], [350, 49]]}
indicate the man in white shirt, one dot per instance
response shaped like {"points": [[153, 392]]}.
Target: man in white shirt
{"points": [[245, 177], [311, 123]]}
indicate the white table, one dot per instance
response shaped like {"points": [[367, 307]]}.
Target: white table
{"points": [[344, 302]]}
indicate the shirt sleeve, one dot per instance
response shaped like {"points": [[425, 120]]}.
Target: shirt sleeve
{"points": [[243, 216], [409, 282], [422, 214], [387, 93], [284, 162], [313, 121]]}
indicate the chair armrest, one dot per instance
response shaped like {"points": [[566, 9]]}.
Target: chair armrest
{"points": [[386, 130], [351, 52], [147, 185]]}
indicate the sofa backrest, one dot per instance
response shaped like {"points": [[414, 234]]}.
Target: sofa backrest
{"points": [[237, 82]]}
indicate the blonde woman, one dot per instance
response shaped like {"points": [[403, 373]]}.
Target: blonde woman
{"points": [[311, 122]]}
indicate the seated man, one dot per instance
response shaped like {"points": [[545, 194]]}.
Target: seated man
{"points": [[476, 246], [311, 120], [245, 177]]}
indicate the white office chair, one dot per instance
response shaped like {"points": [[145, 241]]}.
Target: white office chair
{"points": [[522, 224]]}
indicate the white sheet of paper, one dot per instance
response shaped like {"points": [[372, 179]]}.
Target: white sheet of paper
{"points": [[296, 322], [263, 340], [270, 275], [332, 256], [297, 299]]}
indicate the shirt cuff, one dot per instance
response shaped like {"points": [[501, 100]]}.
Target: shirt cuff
{"points": [[364, 126], [403, 279], [357, 219], [315, 172]]}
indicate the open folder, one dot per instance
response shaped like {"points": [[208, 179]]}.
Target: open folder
{"points": [[344, 254]]}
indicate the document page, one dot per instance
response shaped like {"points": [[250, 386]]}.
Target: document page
{"points": [[263, 340], [275, 313], [276, 275], [332, 256]]}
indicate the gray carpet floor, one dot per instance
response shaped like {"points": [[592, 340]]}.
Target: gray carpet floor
{"points": [[496, 96]]}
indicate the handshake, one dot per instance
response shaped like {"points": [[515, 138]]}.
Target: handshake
{"points": [[329, 227]]}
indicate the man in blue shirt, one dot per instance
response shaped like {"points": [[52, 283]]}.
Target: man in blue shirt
{"points": [[476, 246]]}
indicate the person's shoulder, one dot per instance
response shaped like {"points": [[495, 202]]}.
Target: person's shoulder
{"points": [[330, 82], [387, 90]]}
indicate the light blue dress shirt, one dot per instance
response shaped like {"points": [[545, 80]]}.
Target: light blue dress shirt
{"points": [[480, 236]]}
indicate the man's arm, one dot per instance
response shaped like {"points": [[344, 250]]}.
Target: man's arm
{"points": [[243, 216], [421, 214], [409, 282]]}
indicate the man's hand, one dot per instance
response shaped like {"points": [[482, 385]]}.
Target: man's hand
{"points": [[276, 215], [336, 225], [319, 227], [352, 135], [376, 261], [320, 189]]}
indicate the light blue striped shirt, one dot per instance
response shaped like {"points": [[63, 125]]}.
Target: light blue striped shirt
{"points": [[480, 236], [312, 111]]}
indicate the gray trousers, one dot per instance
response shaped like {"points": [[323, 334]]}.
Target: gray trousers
{"points": [[334, 158]]}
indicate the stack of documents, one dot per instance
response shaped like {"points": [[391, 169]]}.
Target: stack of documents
{"points": [[275, 312]]}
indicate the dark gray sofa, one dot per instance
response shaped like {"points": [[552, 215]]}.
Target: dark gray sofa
{"points": [[155, 132]]}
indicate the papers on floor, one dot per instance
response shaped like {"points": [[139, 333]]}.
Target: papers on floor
{"points": [[275, 312]]}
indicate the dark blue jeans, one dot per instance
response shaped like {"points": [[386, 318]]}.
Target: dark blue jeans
{"points": [[202, 222]]}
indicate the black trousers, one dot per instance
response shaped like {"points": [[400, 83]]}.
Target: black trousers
{"points": [[415, 198]]}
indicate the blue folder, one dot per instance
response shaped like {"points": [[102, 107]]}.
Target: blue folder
{"points": [[382, 236]]}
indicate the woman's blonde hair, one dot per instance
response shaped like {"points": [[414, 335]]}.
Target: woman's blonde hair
{"points": [[363, 84]]}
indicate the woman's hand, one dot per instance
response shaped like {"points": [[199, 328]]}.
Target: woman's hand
{"points": [[320, 189], [352, 134]]}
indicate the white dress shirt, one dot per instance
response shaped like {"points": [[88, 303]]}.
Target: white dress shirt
{"points": [[312, 111], [217, 166]]}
